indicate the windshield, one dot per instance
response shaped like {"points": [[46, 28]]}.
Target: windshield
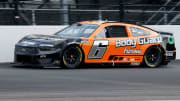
{"points": [[78, 30]]}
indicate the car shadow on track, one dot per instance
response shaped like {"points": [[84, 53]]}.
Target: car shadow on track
{"points": [[83, 67]]}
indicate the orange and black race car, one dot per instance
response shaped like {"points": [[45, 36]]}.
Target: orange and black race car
{"points": [[97, 42]]}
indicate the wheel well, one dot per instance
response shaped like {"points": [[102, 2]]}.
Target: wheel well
{"points": [[159, 47], [162, 50], [79, 48]]}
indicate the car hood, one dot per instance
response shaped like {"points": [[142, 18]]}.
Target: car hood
{"points": [[45, 38], [36, 40]]}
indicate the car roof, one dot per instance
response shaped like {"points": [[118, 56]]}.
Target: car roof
{"points": [[99, 22]]}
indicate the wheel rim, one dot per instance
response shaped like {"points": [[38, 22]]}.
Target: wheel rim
{"points": [[153, 56], [71, 56]]}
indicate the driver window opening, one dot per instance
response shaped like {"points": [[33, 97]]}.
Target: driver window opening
{"points": [[112, 31]]}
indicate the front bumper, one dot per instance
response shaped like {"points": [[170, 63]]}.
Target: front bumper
{"points": [[38, 60], [35, 57]]}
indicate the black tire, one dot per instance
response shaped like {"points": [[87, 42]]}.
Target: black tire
{"points": [[153, 57], [72, 57]]}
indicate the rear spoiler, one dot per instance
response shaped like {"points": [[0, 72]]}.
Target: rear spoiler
{"points": [[162, 33], [165, 33]]}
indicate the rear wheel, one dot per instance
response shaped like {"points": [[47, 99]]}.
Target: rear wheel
{"points": [[72, 57], [153, 57]]}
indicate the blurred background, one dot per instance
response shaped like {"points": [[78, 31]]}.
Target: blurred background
{"points": [[65, 12]]}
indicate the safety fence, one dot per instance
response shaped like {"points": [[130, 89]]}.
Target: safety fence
{"points": [[68, 14]]}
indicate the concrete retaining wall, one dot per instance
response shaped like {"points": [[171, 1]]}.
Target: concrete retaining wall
{"points": [[9, 35]]}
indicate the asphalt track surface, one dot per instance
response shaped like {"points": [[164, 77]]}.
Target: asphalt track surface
{"points": [[90, 84]]}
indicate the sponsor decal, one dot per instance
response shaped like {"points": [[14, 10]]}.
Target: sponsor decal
{"points": [[42, 56], [132, 59], [133, 43], [132, 51], [135, 63], [23, 49], [169, 53], [129, 42], [125, 59], [170, 40], [141, 41]]}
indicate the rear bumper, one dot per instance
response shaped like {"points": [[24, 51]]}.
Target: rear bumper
{"points": [[170, 57]]}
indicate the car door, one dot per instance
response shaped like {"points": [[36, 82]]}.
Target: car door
{"points": [[120, 44], [98, 44], [110, 42]]}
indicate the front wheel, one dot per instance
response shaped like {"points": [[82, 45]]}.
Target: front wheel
{"points": [[72, 57], [153, 57]]}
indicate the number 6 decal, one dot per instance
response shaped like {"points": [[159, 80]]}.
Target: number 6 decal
{"points": [[98, 49]]}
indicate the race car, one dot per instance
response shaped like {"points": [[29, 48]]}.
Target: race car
{"points": [[102, 42]]}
